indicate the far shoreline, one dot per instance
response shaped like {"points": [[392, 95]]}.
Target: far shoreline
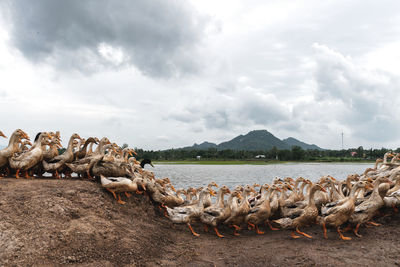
{"points": [[252, 162]]}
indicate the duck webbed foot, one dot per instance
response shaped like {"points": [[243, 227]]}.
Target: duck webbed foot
{"points": [[258, 231], [191, 229], [341, 235], [218, 234], [128, 195], [17, 174], [271, 227], [293, 235], [302, 233], [373, 223], [235, 231], [355, 231], [120, 201]]}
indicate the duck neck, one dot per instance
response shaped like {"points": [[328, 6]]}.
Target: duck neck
{"points": [[220, 198], [296, 185], [302, 188], [14, 142], [311, 199], [267, 199], [85, 146], [353, 191], [69, 148], [202, 196], [90, 148], [348, 183]]}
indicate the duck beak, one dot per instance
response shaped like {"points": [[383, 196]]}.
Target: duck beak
{"points": [[1, 134], [130, 154], [173, 188], [134, 152], [151, 164], [323, 189]]}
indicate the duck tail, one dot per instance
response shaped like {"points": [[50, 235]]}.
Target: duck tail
{"points": [[284, 222]]}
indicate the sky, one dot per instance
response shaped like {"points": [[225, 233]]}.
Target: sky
{"points": [[165, 74]]}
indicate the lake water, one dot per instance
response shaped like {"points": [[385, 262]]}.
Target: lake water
{"points": [[183, 175]]}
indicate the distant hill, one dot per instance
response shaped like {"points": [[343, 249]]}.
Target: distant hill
{"points": [[255, 140], [204, 145], [294, 142]]}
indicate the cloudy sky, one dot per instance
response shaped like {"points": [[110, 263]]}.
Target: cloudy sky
{"points": [[160, 74]]}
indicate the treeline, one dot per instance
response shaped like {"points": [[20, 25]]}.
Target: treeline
{"points": [[294, 154]]}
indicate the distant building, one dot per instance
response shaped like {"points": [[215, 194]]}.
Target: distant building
{"points": [[198, 157], [353, 153], [260, 157]]}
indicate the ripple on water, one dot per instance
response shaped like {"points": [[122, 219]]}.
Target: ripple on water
{"points": [[183, 175]]}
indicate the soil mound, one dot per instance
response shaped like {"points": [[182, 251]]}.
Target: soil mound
{"points": [[57, 222]]}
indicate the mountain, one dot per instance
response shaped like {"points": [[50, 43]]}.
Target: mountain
{"points": [[255, 140], [204, 145], [294, 142]]}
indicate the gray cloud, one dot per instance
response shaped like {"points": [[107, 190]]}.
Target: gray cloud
{"points": [[362, 97], [158, 37]]}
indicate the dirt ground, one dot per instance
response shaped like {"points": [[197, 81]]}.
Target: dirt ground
{"points": [[73, 222]]}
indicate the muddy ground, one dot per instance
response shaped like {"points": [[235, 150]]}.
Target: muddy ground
{"points": [[75, 222]]}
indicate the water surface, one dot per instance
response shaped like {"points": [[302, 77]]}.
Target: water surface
{"points": [[183, 175]]}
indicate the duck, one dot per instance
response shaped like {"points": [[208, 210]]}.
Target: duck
{"points": [[239, 210], [297, 194], [334, 214], [81, 153], [13, 146], [145, 161], [364, 212], [261, 212], [119, 185], [174, 200], [52, 152], [56, 163], [186, 214], [220, 211], [111, 169], [32, 157], [89, 151], [305, 217], [207, 200]]}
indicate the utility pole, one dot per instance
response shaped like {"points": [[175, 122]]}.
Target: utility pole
{"points": [[342, 140]]}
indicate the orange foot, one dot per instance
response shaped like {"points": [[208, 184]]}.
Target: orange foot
{"points": [[293, 235]]}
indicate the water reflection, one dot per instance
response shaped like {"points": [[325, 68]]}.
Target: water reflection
{"points": [[231, 175]]}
